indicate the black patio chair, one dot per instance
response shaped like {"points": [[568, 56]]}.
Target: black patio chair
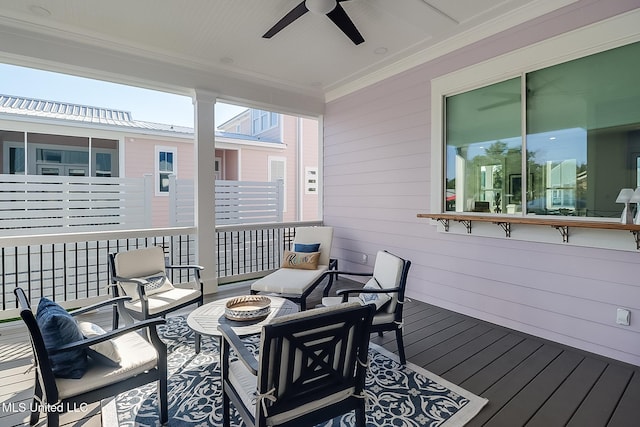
{"points": [[311, 368], [141, 275], [385, 290], [140, 362]]}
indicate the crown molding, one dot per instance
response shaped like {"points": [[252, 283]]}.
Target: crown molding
{"points": [[465, 38]]}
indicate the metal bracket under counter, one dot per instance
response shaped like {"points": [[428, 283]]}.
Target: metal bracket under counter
{"points": [[506, 222]]}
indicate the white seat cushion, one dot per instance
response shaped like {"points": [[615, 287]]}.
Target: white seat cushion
{"points": [[288, 280], [333, 301], [165, 300], [381, 317], [245, 383], [137, 356]]}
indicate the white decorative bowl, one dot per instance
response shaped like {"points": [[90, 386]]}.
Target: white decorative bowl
{"points": [[248, 307]]}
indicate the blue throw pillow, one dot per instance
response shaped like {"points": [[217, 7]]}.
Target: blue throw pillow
{"points": [[59, 328], [306, 247]]}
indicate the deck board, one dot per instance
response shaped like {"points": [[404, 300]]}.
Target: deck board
{"points": [[514, 353], [599, 405], [528, 381], [626, 413], [464, 353], [562, 404], [510, 381], [456, 338], [519, 409]]}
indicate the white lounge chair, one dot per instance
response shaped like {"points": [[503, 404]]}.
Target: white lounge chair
{"points": [[296, 284]]}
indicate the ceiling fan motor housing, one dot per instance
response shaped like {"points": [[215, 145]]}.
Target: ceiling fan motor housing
{"points": [[321, 7]]}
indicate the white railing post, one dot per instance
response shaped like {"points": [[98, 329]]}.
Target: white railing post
{"points": [[173, 201], [148, 197], [280, 197]]}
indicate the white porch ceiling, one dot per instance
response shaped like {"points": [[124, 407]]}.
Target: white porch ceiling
{"points": [[311, 56]]}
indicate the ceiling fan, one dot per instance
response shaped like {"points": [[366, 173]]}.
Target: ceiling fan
{"points": [[331, 8]]}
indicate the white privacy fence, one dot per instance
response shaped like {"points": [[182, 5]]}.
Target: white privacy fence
{"points": [[237, 202], [38, 204]]}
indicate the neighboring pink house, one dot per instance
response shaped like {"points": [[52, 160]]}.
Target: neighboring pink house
{"points": [[273, 146], [53, 138]]}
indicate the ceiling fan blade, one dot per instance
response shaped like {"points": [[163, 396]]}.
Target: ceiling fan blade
{"points": [[342, 20], [294, 14]]}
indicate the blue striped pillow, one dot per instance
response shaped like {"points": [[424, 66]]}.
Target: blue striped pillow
{"points": [[59, 328]]}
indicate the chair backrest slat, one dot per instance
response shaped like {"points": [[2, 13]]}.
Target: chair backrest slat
{"points": [[314, 355]]}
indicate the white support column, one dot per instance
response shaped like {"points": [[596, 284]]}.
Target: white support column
{"points": [[204, 151]]}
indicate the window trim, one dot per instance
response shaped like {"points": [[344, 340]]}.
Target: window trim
{"points": [[157, 151], [595, 38]]}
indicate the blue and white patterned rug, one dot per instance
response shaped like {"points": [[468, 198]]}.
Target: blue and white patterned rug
{"points": [[396, 395]]}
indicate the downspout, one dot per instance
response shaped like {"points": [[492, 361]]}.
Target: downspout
{"points": [[299, 171]]}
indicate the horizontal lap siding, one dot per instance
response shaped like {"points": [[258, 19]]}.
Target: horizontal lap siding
{"points": [[377, 178]]}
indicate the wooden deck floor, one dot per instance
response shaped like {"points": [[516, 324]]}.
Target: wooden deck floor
{"points": [[528, 381]]}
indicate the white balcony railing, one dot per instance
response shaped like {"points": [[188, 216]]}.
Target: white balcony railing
{"points": [[72, 268]]}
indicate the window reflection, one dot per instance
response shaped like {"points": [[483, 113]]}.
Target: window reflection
{"points": [[484, 147], [581, 143]]}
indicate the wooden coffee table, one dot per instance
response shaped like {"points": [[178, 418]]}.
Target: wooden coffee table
{"points": [[205, 319]]}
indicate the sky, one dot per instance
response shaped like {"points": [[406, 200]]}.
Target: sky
{"points": [[146, 105]]}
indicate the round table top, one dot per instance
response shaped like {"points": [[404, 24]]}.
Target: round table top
{"points": [[206, 318]]}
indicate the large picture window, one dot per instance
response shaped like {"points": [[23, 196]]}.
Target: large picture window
{"points": [[561, 140]]}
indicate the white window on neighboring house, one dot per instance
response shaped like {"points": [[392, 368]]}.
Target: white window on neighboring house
{"points": [[263, 120], [218, 168], [278, 171], [103, 164], [165, 166], [13, 159]]}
